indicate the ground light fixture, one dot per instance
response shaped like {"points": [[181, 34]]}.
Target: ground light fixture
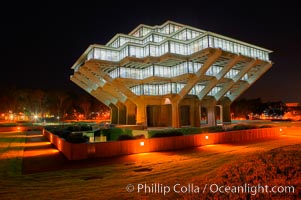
{"points": [[142, 143], [206, 137]]}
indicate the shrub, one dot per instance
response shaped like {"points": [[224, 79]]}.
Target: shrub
{"points": [[77, 138], [184, 131], [190, 130], [167, 134], [73, 128], [85, 128], [77, 128], [64, 134], [266, 126], [113, 134], [125, 137], [139, 136], [212, 129], [97, 133], [243, 127]]}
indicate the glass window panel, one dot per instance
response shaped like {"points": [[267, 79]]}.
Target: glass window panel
{"points": [[152, 50]]}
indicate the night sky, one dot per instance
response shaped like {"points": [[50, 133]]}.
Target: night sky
{"points": [[40, 42]]}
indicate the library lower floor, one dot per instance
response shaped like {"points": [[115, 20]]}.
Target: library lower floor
{"points": [[190, 111]]}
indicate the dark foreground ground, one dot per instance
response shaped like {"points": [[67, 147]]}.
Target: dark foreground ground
{"points": [[31, 169]]}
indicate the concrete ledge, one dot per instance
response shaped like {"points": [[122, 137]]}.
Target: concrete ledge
{"points": [[117, 148]]}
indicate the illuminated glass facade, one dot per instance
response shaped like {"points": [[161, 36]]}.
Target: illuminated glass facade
{"points": [[169, 61], [156, 41]]}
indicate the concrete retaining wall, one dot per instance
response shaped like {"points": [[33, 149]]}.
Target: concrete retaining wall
{"points": [[117, 148]]}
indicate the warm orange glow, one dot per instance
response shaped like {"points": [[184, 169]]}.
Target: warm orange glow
{"points": [[142, 143], [18, 128], [280, 129], [206, 137], [40, 152], [167, 101], [33, 136], [35, 144], [19, 136], [292, 115], [11, 154]]}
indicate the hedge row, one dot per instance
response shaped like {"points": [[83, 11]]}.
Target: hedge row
{"points": [[197, 130], [113, 134], [73, 133]]}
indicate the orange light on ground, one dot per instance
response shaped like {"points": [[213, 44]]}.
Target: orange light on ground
{"points": [[19, 136], [41, 152], [18, 128], [11, 154], [280, 129], [206, 137], [142, 143], [36, 144], [33, 136]]}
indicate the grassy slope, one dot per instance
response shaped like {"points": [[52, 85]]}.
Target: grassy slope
{"points": [[109, 181], [11, 153]]}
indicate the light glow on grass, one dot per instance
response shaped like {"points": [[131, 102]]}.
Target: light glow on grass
{"points": [[41, 152], [36, 144], [142, 143]]}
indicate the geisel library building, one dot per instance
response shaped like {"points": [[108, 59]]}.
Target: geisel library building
{"points": [[169, 75]]}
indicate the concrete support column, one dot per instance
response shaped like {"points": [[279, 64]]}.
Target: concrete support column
{"points": [[114, 114], [175, 118], [194, 112], [141, 114], [226, 103], [130, 113], [121, 113], [165, 117], [197, 114], [211, 115], [210, 105], [220, 107]]}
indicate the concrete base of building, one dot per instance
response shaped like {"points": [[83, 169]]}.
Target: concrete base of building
{"points": [[162, 113]]}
